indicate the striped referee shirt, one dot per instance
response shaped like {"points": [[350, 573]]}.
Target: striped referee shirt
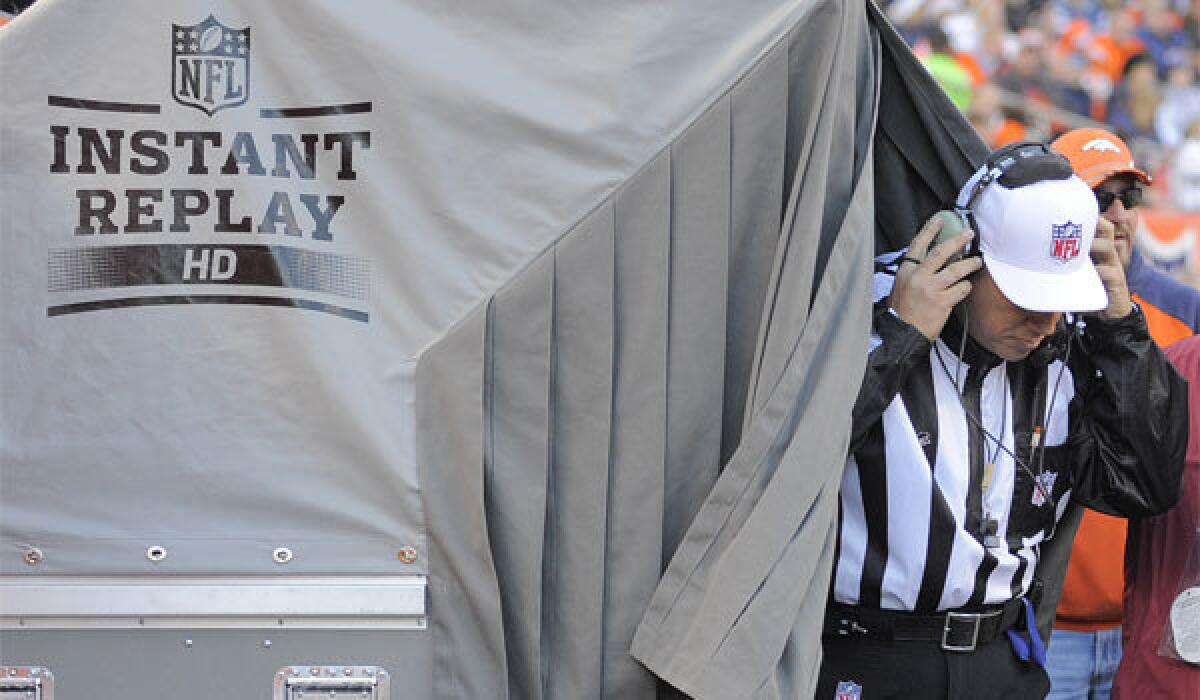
{"points": [[946, 496]]}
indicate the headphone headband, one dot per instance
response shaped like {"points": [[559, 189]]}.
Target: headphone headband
{"points": [[1015, 165], [1003, 160]]}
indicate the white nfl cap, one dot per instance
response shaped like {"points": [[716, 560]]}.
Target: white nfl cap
{"points": [[1036, 242]]}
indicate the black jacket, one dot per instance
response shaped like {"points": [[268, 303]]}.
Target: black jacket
{"points": [[1128, 421]]}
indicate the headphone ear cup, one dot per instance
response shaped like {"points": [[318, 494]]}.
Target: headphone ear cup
{"points": [[953, 223]]}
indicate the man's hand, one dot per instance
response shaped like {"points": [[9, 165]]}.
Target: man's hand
{"points": [[1112, 273], [925, 293]]}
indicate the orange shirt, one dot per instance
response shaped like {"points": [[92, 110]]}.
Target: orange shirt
{"points": [[1009, 131], [1164, 328], [1092, 592], [1103, 53], [1110, 57]]}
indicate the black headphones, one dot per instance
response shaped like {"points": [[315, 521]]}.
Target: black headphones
{"points": [[1015, 165]]}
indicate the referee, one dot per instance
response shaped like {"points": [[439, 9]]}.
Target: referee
{"points": [[1001, 385]]}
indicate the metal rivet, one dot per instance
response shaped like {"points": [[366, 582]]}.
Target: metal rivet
{"points": [[156, 553], [281, 555], [407, 554], [33, 556], [314, 671]]}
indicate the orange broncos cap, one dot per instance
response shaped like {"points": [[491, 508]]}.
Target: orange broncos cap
{"points": [[1096, 155]]}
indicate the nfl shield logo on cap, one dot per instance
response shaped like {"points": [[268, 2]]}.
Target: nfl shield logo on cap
{"points": [[848, 690], [1065, 241]]}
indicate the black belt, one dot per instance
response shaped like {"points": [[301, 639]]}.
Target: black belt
{"points": [[954, 630]]}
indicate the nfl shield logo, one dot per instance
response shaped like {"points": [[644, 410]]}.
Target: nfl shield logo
{"points": [[210, 65], [1065, 241], [1043, 488], [848, 690]]}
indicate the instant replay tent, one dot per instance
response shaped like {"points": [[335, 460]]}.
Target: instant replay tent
{"points": [[456, 350]]}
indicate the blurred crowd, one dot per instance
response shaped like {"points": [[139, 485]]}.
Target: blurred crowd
{"points": [[1031, 69]]}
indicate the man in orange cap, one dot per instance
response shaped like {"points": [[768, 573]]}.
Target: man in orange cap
{"points": [[1105, 163], [1086, 643]]}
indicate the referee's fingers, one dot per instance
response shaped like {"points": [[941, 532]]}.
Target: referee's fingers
{"points": [[958, 291], [958, 270], [942, 252], [919, 247]]}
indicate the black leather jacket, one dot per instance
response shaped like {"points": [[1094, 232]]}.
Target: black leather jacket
{"points": [[1128, 425]]}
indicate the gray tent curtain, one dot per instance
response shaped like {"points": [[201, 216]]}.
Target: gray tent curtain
{"points": [[687, 354]]}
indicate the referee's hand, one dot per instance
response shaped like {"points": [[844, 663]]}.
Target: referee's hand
{"points": [[1108, 265], [927, 289]]}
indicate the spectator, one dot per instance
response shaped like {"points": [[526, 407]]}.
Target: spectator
{"points": [[1062, 84], [1089, 11], [1025, 76], [1180, 105], [1191, 24], [1158, 552], [1105, 54], [949, 73], [1110, 51], [1184, 176], [992, 122], [1133, 104], [1085, 645], [1019, 12], [990, 54], [913, 18], [1163, 36]]}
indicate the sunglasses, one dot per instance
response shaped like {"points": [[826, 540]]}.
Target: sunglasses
{"points": [[1130, 197]]}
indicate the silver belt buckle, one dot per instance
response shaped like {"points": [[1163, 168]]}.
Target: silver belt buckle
{"points": [[973, 619]]}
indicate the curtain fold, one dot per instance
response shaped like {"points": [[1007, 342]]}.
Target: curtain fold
{"points": [[584, 340], [468, 623], [516, 502], [698, 324], [637, 467]]}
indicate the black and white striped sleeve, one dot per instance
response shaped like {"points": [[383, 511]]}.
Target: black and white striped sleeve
{"points": [[897, 347]]}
